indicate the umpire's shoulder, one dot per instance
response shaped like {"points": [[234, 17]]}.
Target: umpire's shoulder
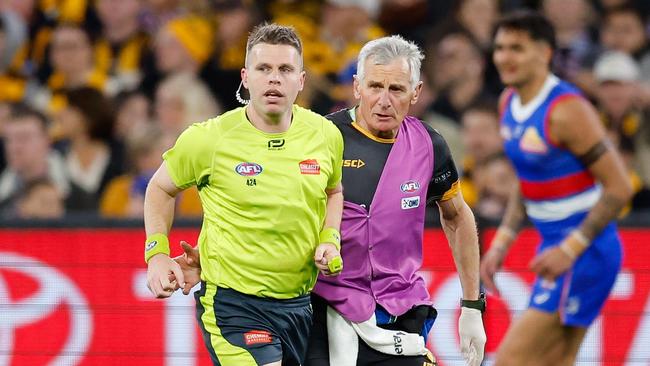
{"points": [[315, 120], [436, 136]]}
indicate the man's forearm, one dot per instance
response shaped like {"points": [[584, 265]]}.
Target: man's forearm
{"points": [[511, 222], [334, 210], [463, 239], [158, 210], [604, 211], [515, 212]]}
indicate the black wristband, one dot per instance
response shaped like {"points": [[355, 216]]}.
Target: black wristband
{"points": [[475, 304]]}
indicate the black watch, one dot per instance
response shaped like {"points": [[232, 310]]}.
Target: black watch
{"points": [[475, 304]]}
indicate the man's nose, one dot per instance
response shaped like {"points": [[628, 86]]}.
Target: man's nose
{"points": [[384, 99], [274, 77]]}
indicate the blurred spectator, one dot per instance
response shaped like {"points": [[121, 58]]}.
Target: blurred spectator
{"points": [[494, 180], [40, 199], [222, 74], [183, 45], [13, 37], [413, 19], [92, 158], [478, 17], [457, 66], [29, 157], [624, 30], [133, 110], [120, 50], [157, 13], [124, 195], [183, 99], [5, 112], [576, 47], [481, 141], [72, 60], [43, 17], [617, 75]]}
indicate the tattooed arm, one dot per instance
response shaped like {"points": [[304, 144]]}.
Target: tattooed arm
{"points": [[576, 126]]}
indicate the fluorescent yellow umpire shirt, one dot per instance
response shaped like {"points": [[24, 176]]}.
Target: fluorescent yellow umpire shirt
{"points": [[263, 198]]}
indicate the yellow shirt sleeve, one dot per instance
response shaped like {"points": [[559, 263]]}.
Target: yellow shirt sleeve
{"points": [[190, 159]]}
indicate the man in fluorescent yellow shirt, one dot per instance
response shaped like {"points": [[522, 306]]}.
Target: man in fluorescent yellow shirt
{"points": [[269, 178]]}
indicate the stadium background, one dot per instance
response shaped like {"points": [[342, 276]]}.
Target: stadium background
{"points": [[117, 80]]}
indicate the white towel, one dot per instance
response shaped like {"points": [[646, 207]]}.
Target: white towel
{"points": [[344, 344]]}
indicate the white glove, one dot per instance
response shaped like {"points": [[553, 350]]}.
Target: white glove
{"points": [[472, 335]]}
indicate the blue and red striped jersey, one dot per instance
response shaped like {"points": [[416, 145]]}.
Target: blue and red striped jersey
{"points": [[554, 183]]}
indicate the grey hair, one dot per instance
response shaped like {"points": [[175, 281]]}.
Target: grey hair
{"points": [[386, 49]]}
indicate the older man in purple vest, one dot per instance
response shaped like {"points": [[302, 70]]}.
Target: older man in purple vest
{"points": [[378, 310]]}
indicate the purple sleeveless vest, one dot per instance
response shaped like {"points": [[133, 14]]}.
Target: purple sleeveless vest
{"points": [[382, 249]]}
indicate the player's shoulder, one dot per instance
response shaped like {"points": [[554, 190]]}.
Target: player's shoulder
{"points": [[217, 126], [315, 120], [340, 117], [436, 137]]}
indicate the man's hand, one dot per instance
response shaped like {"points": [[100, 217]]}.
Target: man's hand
{"points": [[472, 336], [190, 266], [326, 252], [490, 264], [164, 276], [551, 263]]}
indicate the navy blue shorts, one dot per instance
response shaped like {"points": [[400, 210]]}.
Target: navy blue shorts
{"points": [[242, 330]]}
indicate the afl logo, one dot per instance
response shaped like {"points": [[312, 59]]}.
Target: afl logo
{"points": [[248, 169], [410, 186]]}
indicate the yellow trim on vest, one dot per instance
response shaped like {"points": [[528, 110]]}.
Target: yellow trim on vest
{"points": [[451, 192], [371, 136]]}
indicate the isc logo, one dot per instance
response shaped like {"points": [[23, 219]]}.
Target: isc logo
{"points": [[248, 169], [410, 186]]}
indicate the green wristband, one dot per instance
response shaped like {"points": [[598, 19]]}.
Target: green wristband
{"points": [[335, 265], [330, 235], [156, 244]]}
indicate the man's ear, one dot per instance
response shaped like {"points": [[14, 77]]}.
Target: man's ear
{"points": [[244, 77], [356, 87], [416, 92], [303, 76]]}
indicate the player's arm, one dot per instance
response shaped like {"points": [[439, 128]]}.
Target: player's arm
{"points": [[186, 164], [510, 225], [576, 127], [457, 221], [503, 239], [327, 255], [159, 202], [515, 212]]}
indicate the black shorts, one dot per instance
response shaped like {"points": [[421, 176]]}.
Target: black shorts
{"points": [[242, 330], [412, 321]]}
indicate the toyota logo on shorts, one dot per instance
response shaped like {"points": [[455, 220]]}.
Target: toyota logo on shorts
{"points": [[54, 293]]}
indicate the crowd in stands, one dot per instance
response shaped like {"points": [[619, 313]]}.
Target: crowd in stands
{"points": [[92, 92]]}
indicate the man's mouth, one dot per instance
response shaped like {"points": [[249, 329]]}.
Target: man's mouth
{"points": [[382, 116], [273, 93]]}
